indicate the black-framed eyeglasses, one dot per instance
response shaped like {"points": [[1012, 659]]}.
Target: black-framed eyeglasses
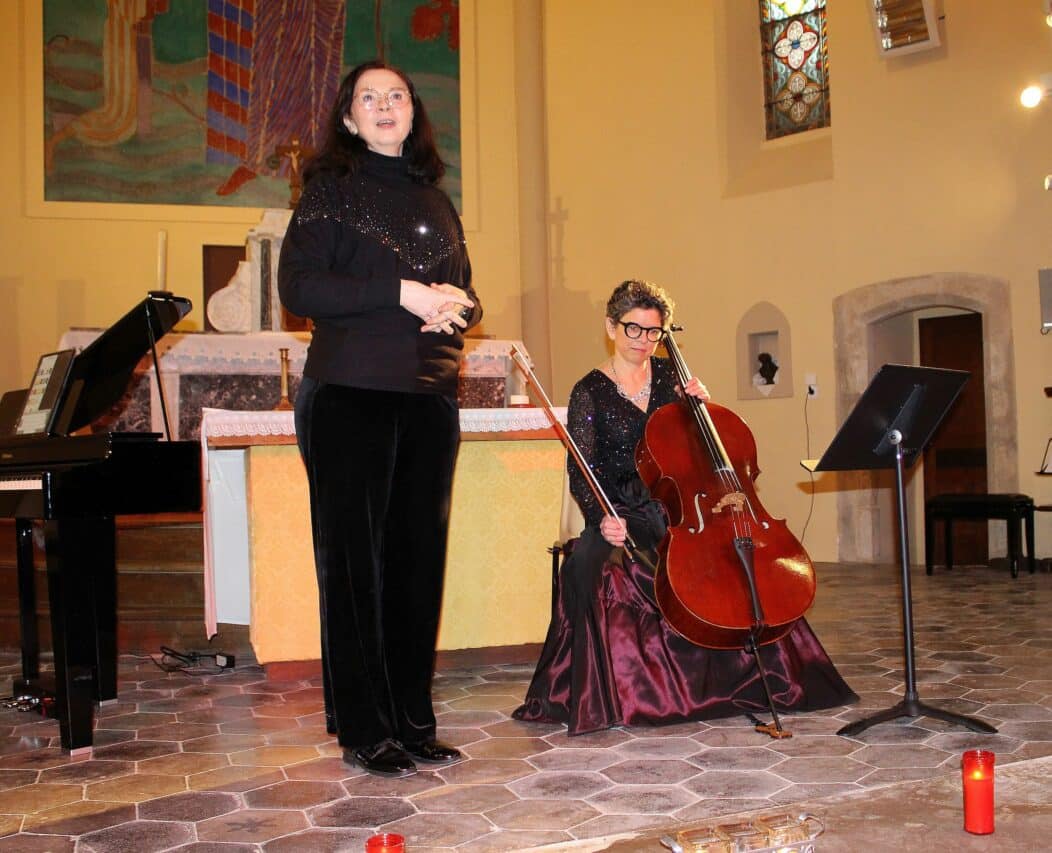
{"points": [[634, 330]]}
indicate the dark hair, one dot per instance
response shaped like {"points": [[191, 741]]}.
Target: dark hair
{"points": [[342, 150], [635, 293]]}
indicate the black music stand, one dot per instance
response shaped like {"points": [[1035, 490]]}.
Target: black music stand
{"points": [[892, 422]]}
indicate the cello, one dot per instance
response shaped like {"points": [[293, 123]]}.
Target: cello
{"points": [[729, 576]]}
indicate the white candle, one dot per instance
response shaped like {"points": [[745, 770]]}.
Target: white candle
{"points": [[162, 260]]}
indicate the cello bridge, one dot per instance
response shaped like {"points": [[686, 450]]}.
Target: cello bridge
{"points": [[734, 500]]}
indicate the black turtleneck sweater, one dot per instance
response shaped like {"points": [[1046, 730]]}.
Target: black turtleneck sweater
{"points": [[350, 243]]}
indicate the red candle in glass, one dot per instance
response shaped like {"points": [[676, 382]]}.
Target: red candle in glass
{"points": [[977, 778], [385, 842]]}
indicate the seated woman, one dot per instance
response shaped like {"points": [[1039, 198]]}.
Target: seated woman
{"points": [[610, 657]]}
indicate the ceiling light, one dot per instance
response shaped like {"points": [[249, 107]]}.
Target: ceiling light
{"points": [[1031, 96]]}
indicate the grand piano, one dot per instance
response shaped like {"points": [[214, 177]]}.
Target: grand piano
{"points": [[53, 469]]}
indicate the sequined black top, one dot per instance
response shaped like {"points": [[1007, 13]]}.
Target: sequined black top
{"points": [[349, 244], [607, 428]]}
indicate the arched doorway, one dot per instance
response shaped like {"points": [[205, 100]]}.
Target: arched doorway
{"points": [[863, 498]]}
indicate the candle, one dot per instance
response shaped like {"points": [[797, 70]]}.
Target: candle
{"points": [[385, 842], [977, 778], [162, 260]]}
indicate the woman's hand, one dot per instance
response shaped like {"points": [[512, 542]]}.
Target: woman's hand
{"points": [[450, 313], [438, 305], [614, 530], [694, 388]]}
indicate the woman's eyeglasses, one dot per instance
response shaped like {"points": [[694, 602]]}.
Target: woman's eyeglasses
{"points": [[369, 99], [634, 330]]}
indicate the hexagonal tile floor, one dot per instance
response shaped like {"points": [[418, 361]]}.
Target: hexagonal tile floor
{"points": [[233, 762]]}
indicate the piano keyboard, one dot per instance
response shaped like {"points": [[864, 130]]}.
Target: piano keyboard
{"points": [[11, 483]]}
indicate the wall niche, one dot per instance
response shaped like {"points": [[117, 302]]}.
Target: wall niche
{"points": [[764, 354]]}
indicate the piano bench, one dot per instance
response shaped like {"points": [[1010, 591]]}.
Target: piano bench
{"points": [[1017, 510]]}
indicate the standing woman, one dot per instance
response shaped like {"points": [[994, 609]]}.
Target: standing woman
{"points": [[375, 256]]}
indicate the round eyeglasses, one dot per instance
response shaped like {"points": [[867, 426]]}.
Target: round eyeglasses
{"points": [[369, 99], [634, 330]]}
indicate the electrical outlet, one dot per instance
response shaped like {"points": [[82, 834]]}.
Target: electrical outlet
{"points": [[811, 383]]}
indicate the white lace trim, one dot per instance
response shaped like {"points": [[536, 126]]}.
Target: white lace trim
{"points": [[222, 422]]}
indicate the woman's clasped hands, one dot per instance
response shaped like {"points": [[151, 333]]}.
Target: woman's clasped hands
{"points": [[442, 307]]}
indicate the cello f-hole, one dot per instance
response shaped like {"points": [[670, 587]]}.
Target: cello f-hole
{"points": [[697, 511]]}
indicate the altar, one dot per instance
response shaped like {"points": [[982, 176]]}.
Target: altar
{"points": [[242, 372], [507, 511], [508, 493]]}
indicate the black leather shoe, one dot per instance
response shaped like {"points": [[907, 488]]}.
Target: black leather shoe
{"points": [[433, 752], [385, 758]]}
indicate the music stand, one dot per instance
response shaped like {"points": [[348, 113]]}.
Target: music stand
{"points": [[890, 425]]}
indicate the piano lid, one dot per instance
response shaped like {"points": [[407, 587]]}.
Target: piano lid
{"points": [[102, 370]]}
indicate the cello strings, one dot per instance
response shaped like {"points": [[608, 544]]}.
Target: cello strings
{"points": [[723, 468]]}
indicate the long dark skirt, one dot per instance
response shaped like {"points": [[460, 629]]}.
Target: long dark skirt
{"points": [[611, 659]]}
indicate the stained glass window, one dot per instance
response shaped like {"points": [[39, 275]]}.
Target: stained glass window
{"points": [[795, 65]]}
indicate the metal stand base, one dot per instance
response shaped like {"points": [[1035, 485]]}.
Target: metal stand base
{"points": [[915, 708]]}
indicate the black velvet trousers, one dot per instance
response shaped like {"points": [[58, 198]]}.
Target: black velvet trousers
{"points": [[380, 467]]}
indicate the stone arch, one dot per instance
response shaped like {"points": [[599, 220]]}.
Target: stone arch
{"points": [[854, 315]]}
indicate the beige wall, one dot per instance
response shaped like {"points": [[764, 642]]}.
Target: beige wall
{"points": [[932, 166], [656, 167]]}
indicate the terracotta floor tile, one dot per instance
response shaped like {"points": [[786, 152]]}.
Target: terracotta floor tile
{"points": [[36, 759], [288, 709], [135, 789], [79, 818], [362, 812], [303, 736], [251, 825], [179, 731], [223, 743], [190, 806], [507, 747], [10, 745], [82, 772], [322, 770], [274, 756], [464, 798], [36, 844], [234, 779], [37, 798], [211, 715], [294, 795], [320, 841], [257, 725], [136, 750], [137, 836], [542, 814], [183, 763], [17, 778], [10, 823]]}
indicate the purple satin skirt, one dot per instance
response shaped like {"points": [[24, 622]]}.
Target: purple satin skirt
{"points": [[611, 659]]}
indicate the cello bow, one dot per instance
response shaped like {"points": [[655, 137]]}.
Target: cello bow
{"points": [[568, 442]]}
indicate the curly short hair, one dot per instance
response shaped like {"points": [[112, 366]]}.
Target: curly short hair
{"points": [[636, 293]]}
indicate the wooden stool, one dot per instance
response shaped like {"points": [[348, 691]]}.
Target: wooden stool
{"points": [[1014, 509]]}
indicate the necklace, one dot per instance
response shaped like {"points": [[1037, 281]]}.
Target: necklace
{"points": [[640, 395]]}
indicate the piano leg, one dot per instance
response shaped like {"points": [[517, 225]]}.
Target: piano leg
{"points": [[104, 580], [27, 600], [80, 554]]}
